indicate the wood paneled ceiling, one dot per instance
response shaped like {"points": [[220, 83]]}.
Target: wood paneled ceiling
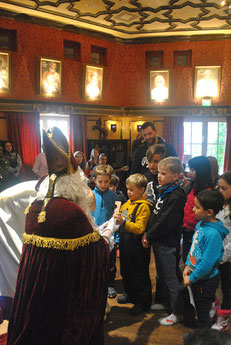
{"points": [[128, 19]]}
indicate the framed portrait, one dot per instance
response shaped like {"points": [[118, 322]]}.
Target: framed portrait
{"points": [[4, 72], [93, 83], [159, 85], [207, 81], [50, 77]]}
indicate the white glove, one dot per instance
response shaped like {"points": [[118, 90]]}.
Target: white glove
{"points": [[111, 225], [102, 226]]}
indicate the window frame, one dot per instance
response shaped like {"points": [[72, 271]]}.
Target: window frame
{"points": [[205, 121]]}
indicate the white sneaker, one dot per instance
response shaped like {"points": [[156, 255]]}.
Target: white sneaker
{"points": [[170, 320], [158, 306], [221, 324]]}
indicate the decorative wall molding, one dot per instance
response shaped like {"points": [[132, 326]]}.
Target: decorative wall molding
{"points": [[97, 110]]}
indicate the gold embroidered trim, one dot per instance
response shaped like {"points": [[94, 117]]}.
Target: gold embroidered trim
{"points": [[27, 209], [60, 243]]}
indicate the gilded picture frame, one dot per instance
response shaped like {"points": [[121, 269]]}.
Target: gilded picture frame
{"points": [[93, 82], [5, 72], [207, 81], [50, 77], [159, 85]]}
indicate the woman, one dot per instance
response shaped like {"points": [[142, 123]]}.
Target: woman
{"points": [[15, 163], [80, 159]]}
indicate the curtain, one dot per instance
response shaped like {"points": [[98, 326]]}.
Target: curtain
{"points": [[227, 159], [24, 132], [78, 133], [174, 133]]}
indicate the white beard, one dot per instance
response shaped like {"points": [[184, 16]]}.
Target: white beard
{"points": [[71, 187]]}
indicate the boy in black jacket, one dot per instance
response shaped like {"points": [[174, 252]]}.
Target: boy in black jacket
{"points": [[164, 231]]}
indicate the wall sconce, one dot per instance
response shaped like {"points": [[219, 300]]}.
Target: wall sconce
{"points": [[139, 128], [114, 127]]}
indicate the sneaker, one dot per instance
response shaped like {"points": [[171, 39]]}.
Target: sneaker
{"points": [[158, 306], [137, 310], [170, 320], [213, 311], [123, 299], [111, 292], [221, 324]]}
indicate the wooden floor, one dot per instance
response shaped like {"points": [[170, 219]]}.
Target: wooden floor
{"points": [[123, 329]]}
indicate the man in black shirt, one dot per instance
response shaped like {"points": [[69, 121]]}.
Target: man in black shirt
{"points": [[139, 163]]}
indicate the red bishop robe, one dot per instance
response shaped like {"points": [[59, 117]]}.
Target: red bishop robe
{"points": [[62, 281]]}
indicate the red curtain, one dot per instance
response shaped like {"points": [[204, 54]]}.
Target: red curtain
{"points": [[78, 133], [24, 132], [174, 133], [227, 159]]}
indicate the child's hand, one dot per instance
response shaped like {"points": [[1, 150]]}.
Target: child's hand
{"points": [[186, 271], [186, 280], [119, 219], [145, 243]]}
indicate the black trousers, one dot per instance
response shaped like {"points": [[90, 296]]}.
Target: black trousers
{"points": [[204, 292], [225, 272], [134, 266]]}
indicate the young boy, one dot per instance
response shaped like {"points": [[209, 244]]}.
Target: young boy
{"points": [[164, 231], [154, 155], [134, 259], [105, 205], [205, 254], [113, 187]]}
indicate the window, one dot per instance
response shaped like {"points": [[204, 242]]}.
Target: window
{"points": [[72, 50], [99, 55], [154, 59], [8, 39], [205, 137], [60, 121]]}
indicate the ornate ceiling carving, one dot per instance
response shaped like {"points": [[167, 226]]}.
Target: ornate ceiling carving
{"points": [[129, 19]]}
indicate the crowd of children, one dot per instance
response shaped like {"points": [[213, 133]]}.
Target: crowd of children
{"points": [[186, 219]]}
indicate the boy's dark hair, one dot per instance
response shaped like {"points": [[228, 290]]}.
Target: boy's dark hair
{"points": [[211, 199], [155, 150], [148, 124], [114, 180], [207, 336]]}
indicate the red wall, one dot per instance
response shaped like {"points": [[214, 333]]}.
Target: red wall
{"points": [[125, 77]]}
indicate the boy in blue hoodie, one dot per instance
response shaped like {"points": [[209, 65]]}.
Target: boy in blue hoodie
{"points": [[105, 206], [205, 254]]}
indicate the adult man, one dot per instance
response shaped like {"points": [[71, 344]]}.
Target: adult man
{"points": [[139, 163], [61, 288]]}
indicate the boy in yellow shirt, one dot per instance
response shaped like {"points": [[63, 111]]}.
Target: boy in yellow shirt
{"points": [[134, 259]]}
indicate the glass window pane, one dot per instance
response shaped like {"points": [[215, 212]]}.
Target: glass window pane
{"points": [[187, 150], [187, 132], [212, 150], [212, 132], [222, 132], [220, 158], [197, 132], [196, 150]]}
